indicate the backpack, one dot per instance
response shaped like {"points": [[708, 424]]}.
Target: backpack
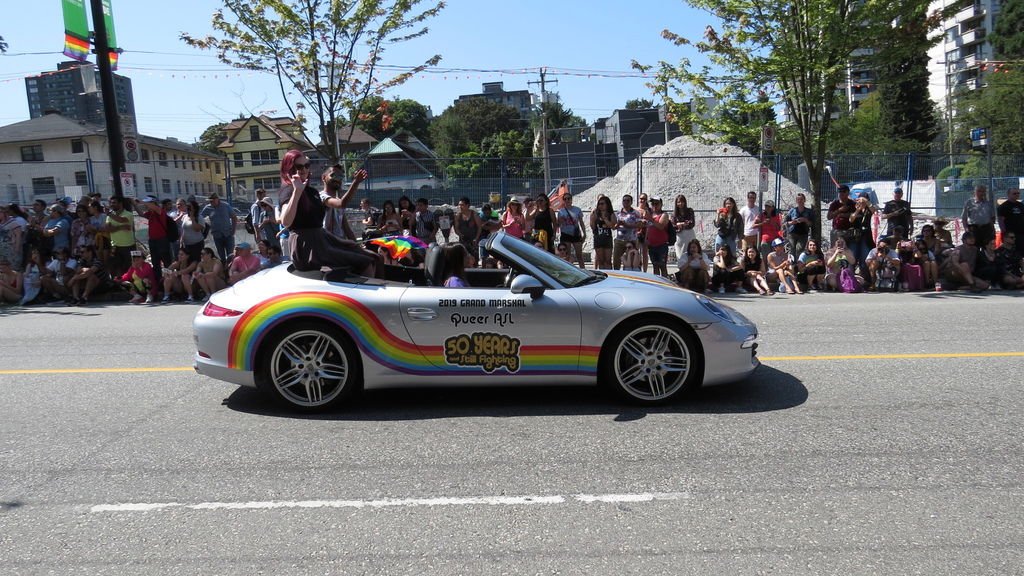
{"points": [[171, 228], [248, 224], [671, 230], [848, 282]]}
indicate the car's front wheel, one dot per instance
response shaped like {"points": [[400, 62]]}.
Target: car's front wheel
{"points": [[310, 367], [651, 362]]}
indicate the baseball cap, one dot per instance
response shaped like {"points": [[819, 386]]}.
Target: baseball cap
{"points": [[769, 202], [243, 246], [212, 196], [136, 254], [778, 242]]}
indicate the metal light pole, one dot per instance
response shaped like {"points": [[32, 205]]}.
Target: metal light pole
{"points": [[113, 121]]}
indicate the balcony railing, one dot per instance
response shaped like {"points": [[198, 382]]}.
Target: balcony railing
{"points": [[972, 36], [970, 13]]}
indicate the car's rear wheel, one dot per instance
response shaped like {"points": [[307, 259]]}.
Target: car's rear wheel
{"points": [[651, 362], [310, 367]]}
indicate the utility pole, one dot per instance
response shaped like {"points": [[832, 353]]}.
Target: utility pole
{"points": [[114, 141], [544, 126]]}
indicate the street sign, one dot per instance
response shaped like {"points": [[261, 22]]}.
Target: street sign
{"points": [[128, 184], [762, 180], [767, 138], [131, 149]]}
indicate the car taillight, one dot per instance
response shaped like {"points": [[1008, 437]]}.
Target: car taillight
{"points": [[215, 311]]}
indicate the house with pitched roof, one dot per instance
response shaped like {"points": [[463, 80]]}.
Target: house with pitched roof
{"points": [[403, 162], [254, 147]]}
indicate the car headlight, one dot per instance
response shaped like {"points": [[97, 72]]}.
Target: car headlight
{"points": [[722, 311]]}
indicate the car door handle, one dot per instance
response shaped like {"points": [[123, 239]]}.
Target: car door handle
{"points": [[417, 313]]}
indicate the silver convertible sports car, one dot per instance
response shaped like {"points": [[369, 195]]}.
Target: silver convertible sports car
{"points": [[311, 340]]}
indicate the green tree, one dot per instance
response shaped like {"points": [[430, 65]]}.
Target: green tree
{"points": [[563, 124], [464, 125], [211, 137], [997, 107], [639, 104], [3, 45], [907, 111], [1007, 35], [325, 54], [382, 118], [798, 50], [508, 144]]}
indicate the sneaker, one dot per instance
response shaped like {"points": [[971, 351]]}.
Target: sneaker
{"points": [[189, 299], [136, 299], [149, 299], [165, 300], [741, 290], [782, 288], [721, 289]]}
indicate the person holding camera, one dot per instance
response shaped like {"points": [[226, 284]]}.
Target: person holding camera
{"points": [[884, 267]]}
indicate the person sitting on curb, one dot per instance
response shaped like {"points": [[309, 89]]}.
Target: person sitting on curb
{"points": [[244, 264], [958, 268], [780, 268], [140, 280]]}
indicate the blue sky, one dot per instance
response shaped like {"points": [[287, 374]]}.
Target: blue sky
{"points": [[180, 91]]}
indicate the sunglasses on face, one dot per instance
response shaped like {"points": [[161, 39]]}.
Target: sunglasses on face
{"points": [[299, 166]]}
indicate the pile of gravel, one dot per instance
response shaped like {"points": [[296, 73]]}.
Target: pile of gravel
{"points": [[705, 173]]}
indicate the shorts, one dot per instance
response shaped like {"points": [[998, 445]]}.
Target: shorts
{"points": [[659, 254], [602, 241], [570, 238]]}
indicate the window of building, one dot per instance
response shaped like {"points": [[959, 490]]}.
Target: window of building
{"points": [[165, 186], [175, 160], [264, 157], [147, 183], [32, 153], [77, 146], [206, 164], [145, 155], [44, 186], [254, 132], [240, 184], [81, 179], [220, 189], [239, 163], [193, 165], [216, 167], [163, 158], [269, 184]]}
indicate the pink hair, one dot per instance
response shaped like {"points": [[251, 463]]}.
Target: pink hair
{"points": [[286, 165]]}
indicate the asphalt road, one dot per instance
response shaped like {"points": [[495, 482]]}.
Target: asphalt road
{"points": [[821, 463]]}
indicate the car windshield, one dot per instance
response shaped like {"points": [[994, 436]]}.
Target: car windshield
{"points": [[565, 273]]}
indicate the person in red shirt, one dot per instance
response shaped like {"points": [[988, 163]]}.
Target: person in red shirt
{"points": [[159, 243], [770, 222], [140, 280]]}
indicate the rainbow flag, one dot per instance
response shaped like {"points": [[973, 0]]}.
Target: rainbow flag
{"points": [[398, 246], [76, 48], [113, 60]]}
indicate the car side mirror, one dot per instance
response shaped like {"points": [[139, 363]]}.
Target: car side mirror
{"points": [[526, 284]]}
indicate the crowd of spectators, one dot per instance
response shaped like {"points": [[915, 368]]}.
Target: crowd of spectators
{"points": [[72, 251]]}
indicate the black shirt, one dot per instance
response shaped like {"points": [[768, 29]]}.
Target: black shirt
{"points": [[1012, 212], [904, 219]]}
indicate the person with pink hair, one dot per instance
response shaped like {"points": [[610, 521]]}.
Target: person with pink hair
{"points": [[302, 212]]}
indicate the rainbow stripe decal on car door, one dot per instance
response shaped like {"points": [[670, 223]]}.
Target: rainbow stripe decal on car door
{"points": [[383, 347]]}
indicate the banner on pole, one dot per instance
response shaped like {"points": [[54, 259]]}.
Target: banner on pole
{"points": [[108, 19], [76, 30]]}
